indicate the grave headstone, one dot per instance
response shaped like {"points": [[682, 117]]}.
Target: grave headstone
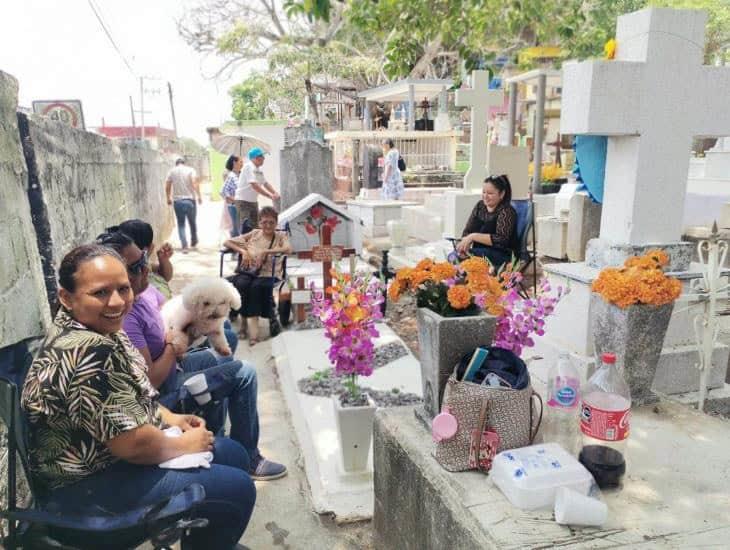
{"points": [[480, 98], [650, 102], [306, 167], [646, 102], [371, 167]]}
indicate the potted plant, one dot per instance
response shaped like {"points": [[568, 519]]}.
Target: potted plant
{"points": [[348, 311], [457, 305], [631, 308]]}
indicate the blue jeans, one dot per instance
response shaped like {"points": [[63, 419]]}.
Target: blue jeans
{"points": [[230, 382], [230, 494], [185, 209], [233, 213]]}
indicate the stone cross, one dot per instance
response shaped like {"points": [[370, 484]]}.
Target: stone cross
{"points": [[480, 98], [650, 101]]}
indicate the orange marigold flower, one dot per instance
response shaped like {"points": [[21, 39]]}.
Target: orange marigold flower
{"points": [[404, 274], [394, 290], [419, 277], [443, 270], [459, 297], [475, 264], [640, 281], [425, 263]]}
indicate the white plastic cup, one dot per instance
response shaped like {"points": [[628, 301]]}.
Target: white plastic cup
{"points": [[197, 386], [573, 508]]}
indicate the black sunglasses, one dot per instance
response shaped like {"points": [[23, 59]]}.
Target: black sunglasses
{"points": [[137, 267]]}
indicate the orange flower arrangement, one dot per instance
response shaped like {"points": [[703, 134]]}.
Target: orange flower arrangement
{"points": [[451, 290], [640, 281]]}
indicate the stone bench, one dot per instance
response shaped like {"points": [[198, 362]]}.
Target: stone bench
{"points": [[676, 492]]}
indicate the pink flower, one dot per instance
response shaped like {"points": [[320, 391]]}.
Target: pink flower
{"points": [[310, 229], [316, 212]]}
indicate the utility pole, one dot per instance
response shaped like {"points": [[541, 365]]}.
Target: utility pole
{"points": [[141, 108], [131, 109], [172, 108]]}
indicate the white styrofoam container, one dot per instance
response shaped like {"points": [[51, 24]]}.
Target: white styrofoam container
{"points": [[530, 476]]}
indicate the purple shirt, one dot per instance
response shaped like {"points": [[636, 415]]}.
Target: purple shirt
{"points": [[143, 324]]}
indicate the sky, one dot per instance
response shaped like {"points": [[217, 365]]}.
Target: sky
{"points": [[57, 49]]}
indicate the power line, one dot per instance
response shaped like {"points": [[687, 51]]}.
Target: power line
{"points": [[109, 36]]}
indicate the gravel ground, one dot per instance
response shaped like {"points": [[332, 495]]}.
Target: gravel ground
{"points": [[324, 384], [401, 317]]}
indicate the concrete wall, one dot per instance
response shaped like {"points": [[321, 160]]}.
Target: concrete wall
{"points": [[24, 309], [61, 189]]}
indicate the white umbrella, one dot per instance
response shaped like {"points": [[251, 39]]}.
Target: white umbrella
{"points": [[235, 143]]}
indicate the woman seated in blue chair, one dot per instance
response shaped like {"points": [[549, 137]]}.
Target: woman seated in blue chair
{"points": [[256, 275], [491, 231], [95, 423]]}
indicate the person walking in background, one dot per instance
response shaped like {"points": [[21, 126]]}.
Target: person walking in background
{"points": [[182, 187], [251, 184], [392, 179], [233, 168]]}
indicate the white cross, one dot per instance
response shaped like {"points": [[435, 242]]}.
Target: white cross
{"points": [[480, 98], [651, 101]]}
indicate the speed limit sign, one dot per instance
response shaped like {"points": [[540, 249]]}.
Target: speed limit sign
{"points": [[68, 111]]}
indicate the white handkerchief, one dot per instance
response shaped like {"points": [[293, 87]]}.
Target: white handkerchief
{"points": [[190, 460]]}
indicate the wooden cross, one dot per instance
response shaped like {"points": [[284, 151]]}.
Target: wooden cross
{"points": [[326, 253]]}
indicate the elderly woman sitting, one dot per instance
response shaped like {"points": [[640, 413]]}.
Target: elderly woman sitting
{"points": [[254, 277], [95, 423], [491, 231]]}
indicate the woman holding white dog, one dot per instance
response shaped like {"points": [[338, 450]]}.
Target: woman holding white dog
{"points": [[95, 423], [226, 377], [254, 278]]}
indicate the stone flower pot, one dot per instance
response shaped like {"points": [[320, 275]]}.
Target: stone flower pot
{"points": [[442, 341], [355, 431], [636, 335]]}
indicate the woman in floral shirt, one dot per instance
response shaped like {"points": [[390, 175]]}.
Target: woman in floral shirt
{"points": [[95, 424]]}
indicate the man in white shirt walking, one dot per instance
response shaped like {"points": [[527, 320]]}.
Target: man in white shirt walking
{"points": [[182, 187], [251, 184]]}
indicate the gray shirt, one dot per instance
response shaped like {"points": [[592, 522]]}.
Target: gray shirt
{"points": [[182, 178]]}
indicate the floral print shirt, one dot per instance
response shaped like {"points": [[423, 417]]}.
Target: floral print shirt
{"points": [[82, 390]]}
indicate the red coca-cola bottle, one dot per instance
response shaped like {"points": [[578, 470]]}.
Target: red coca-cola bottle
{"points": [[604, 423]]}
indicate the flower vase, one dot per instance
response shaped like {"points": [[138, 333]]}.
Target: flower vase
{"points": [[442, 341], [355, 431], [636, 335]]}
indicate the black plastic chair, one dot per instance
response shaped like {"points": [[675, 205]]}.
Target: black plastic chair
{"points": [[162, 524], [279, 308]]}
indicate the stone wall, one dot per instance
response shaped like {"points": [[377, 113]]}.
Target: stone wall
{"points": [[306, 167], [24, 311], [59, 190]]}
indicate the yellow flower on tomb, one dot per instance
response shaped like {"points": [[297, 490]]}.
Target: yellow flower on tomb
{"points": [[609, 49]]}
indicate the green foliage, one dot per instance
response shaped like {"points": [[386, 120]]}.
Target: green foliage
{"points": [[251, 98]]}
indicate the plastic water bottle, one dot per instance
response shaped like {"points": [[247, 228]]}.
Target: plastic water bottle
{"points": [[604, 423], [561, 422]]}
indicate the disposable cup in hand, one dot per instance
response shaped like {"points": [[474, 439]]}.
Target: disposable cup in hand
{"points": [[197, 386], [572, 508]]}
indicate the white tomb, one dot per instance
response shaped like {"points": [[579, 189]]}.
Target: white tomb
{"points": [[708, 188], [644, 101]]}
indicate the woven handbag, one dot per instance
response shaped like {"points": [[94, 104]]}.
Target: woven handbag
{"points": [[512, 414]]}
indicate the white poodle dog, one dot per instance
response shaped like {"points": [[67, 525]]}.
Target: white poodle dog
{"points": [[201, 310]]}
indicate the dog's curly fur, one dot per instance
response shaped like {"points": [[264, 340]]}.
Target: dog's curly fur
{"points": [[201, 310]]}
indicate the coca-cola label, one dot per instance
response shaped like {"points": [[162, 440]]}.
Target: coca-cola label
{"points": [[604, 425]]}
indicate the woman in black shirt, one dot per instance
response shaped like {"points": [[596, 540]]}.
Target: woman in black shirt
{"points": [[491, 231]]}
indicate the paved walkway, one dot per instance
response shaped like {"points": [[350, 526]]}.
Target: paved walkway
{"points": [[283, 517]]}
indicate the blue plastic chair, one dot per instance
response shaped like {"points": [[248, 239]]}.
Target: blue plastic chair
{"points": [[525, 209]]}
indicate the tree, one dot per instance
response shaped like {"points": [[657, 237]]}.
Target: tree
{"points": [[251, 99], [303, 53]]}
